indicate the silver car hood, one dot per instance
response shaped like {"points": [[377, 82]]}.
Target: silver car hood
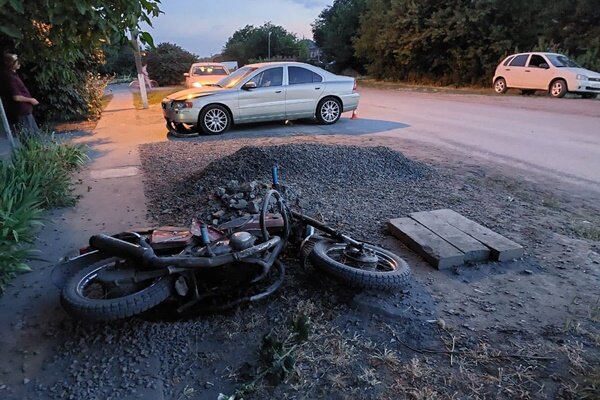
{"points": [[194, 93]]}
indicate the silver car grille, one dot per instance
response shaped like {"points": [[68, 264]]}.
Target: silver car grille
{"points": [[594, 79]]}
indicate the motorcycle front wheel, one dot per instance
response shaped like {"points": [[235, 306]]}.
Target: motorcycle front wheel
{"points": [[387, 272], [87, 297]]}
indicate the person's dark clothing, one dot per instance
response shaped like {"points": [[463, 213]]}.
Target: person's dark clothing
{"points": [[17, 87], [6, 93]]}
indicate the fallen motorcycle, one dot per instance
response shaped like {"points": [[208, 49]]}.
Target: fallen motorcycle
{"points": [[213, 268]]}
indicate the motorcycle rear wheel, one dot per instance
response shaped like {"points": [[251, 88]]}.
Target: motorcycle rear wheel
{"points": [[391, 272], [76, 296]]}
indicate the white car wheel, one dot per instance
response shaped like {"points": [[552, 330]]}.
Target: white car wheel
{"points": [[214, 119], [558, 88], [329, 111], [500, 86]]}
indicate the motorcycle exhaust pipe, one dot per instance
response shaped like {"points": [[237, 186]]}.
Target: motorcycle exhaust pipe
{"points": [[117, 247]]}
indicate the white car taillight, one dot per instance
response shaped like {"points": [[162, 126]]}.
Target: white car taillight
{"points": [[355, 86]]}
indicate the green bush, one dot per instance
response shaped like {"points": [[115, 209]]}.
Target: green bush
{"points": [[168, 62], [36, 177]]}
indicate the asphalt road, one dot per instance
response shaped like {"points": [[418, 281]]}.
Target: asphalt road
{"points": [[556, 137], [560, 137]]}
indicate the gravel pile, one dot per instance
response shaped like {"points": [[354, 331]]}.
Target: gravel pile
{"points": [[359, 187]]}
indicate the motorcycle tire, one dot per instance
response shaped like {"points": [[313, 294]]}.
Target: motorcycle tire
{"points": [[79, 306], [325, 256]]}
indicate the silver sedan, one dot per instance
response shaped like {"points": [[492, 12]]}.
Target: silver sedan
{"points": [[261, 92]]}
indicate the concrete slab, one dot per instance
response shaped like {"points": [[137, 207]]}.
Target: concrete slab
{"points": [[473, 249], [115, 173], [501, 248], [427, 244]]}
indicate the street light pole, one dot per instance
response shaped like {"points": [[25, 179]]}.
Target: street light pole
{"points": [[269, 46]]}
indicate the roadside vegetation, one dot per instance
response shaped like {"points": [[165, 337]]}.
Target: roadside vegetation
{"points": [[155, 96], [452, 42], [73, 35], [38, 176]]}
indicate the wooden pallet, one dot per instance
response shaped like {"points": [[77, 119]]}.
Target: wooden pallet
{"points": [[445, 239]]}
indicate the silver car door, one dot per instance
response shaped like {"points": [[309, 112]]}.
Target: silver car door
{"points": [[267, 100], [303, 91]]}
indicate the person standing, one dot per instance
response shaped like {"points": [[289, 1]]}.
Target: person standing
{"points": [[19, 102], [147, 80]]}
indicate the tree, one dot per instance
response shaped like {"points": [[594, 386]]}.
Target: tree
{"points": [[453, 41], [60, 42], [336, 29], [252, 43], [168, 62]]}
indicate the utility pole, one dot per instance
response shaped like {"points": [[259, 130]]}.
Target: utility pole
{"points": [[269, 58], [138, 67]]}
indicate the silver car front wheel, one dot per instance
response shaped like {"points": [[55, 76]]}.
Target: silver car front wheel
{"points": [[329, 111], [214, 119]]}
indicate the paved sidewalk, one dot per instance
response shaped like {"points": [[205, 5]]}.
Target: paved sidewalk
{"points": [[112, 200]]}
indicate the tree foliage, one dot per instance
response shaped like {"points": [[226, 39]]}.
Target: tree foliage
{"points": [[453, 41], [118, 60], [59, 44], [335, 30], [252, 43], [168, 62]]}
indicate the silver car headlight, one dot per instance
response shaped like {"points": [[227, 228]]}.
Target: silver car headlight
{"points": [[178, 105], [580, 77]]}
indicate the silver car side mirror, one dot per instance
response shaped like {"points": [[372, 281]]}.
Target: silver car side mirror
{"points": [[544, 65], [249, 86]]}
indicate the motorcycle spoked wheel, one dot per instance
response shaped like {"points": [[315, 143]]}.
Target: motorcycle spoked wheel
{"points": [[85, 297], [391, 271]]}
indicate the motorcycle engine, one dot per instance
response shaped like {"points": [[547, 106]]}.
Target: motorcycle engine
{"points": [[241, 241]]}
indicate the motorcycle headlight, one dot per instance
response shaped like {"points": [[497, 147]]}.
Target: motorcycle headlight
{"points": [[196, 84], [580, 77]]}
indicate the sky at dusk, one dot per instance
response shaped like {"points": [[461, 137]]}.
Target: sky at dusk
{"points": [[202, 27]]}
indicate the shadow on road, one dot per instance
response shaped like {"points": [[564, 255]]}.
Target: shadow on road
{"points": [[344, 126]]}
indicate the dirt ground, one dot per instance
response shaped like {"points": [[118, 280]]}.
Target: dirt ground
{"points": [[522, 329]]}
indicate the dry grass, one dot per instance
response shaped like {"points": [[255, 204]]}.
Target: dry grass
{"points": [[155, 96], [423, 87]]}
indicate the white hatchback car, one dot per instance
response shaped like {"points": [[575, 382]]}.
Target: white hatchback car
{"points": [[551, 72], [205, 73]]}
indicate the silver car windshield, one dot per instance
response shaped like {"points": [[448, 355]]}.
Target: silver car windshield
{"points": [[235, 77], [562, 61]]}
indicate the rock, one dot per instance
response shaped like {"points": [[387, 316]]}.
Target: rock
{"points": [[218, 214], [248, 187], [233, 186], [253, 207], [239, 205]]}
